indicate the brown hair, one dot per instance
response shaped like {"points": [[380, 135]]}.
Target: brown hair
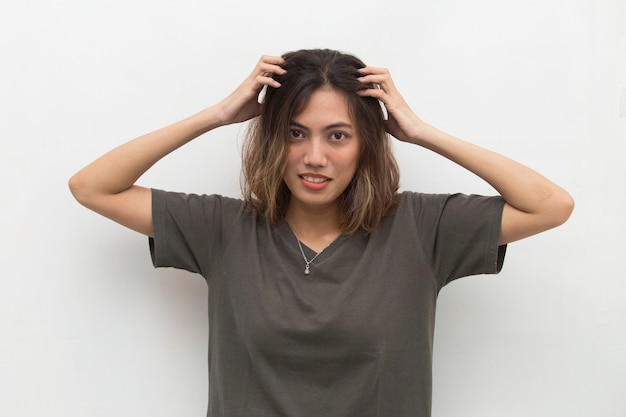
{"points": [[372, 194]]}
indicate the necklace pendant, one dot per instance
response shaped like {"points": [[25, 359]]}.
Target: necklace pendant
{"points": [[307, 271]]}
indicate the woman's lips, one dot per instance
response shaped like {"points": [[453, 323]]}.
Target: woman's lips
{"points": [[314, 181]]}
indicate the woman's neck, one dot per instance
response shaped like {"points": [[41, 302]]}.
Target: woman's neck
{"points": [[315, 227]]}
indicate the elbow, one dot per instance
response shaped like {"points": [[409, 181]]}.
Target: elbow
{"points": [[74, 186], [78, 188], [563, 208]]}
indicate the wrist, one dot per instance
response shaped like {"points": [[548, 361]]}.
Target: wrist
{"points": [[210, 118], [421, 133]]}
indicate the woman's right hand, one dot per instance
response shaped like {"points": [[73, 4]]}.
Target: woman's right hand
{"points": [[107, 185], [242, 104]]}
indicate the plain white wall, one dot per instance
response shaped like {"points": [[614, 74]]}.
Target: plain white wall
{"points": [[89, 328]]}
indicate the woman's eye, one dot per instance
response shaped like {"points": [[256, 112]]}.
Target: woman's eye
{"points": [[295, 133], [338, 136]]}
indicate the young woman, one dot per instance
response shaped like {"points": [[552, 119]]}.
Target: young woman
{"points": [[323, 279]]}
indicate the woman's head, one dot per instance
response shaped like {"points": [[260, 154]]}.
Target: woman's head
{"points": [[371, 193]]}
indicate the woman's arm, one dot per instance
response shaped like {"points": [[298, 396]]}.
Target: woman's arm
{"points": [[107, 185], [533, 203]]}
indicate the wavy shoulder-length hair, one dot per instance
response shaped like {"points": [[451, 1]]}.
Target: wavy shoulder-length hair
{"points": [[372, 194]]}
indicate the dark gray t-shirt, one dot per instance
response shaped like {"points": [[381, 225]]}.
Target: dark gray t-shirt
{"points": [[352, 339]]}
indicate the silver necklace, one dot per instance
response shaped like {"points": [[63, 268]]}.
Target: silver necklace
{"points": [[307, 262]]}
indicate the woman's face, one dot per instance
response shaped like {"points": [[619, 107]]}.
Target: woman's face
{"points": [[323, 151]]}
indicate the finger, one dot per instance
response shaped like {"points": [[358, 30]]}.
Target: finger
{"points": [[276, 60], [378, 93], [263, 80], [376, 75], [374, 78], [381, 80], [264, 74], [269, 65], [264, 67], [373, 70]]}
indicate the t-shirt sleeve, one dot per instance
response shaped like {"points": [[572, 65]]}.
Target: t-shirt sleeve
{"points": [[188, 229], [461, 234]]}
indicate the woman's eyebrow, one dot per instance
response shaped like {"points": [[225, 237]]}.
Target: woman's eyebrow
{"points": [[331, 126]]}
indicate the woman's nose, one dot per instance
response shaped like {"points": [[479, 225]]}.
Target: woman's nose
{"points": [[315, 153]]}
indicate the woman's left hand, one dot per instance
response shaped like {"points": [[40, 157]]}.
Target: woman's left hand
{"points": [[533, 203], [402, 122]]}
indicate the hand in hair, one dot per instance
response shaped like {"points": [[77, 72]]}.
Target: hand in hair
{"points": [[243, 103], [533, 203], [402, 123], [107, 185]]}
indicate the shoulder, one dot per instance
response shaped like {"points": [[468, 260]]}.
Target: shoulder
{"points": [[415, 211], [192, 198], [425, 200], [425, 208], [198, 205], [411, 200]]}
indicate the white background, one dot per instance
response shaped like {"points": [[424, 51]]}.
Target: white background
{"points": [[89, 328]]}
